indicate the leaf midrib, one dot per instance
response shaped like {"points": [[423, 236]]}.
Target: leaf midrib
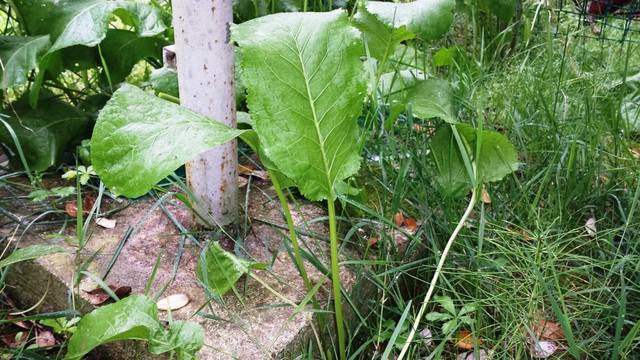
{"points": [[316, 124]]}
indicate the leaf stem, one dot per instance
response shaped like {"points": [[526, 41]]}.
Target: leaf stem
{"points": [[434, 280], [335, 277], [292, 231]]}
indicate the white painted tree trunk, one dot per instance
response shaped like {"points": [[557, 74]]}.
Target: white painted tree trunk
{"points": [[206, 79]]}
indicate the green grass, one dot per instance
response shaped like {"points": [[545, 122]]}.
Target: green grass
{"points": [[557, 102]]}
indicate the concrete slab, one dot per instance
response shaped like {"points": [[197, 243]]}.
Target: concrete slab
{"points": [[254, 325]]}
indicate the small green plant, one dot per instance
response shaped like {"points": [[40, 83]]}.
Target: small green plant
{"points": [[83, 173]]}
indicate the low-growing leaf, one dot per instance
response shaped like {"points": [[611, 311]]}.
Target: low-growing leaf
{"points": [[19, 55], [44, 133], [30, 253], [133, 318], [219, 270], [497, 158], [306, 87], [437, 316], [446, 303], [427, 19], [427, 97], [139, 139], [183, 337]]}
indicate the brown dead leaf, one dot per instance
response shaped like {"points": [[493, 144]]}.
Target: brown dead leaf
{"points": [[590, 227], [106, 223], [410, 224], [465, 340], [635, 152], [242, 182], [99, 297], [173, 302], [248, 170], [398, 218], [470, 355], [372, 241], [45, 338], [71, 207], [486, 198], [547, 330], [543, 349], [245, 169], [14, 340]]}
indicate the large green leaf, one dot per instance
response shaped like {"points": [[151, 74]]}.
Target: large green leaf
{"points": [[428, 98], [306, 87], [44, 133], [219, 270], [139, 139], [19, 55], [133, 318], [30, 253], [497, 157], [183, 337], [122, 49], [380, 39], [85, 22], [427, 19]]}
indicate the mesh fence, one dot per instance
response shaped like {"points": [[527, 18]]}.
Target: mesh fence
{"points": [[610, 20]]}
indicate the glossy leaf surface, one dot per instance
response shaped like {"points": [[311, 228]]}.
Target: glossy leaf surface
{"points": [[44, 133], [85, 22], [220, 270], [19, 55], [427, 19], [306, 87], [139, 139], [134, 317], [30, 253]]}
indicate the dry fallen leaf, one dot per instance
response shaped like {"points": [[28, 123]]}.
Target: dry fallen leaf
{"points": [[427, 337], [410, 224], [372, 241], [245, 169], [99, 297], [547, 330], [590, 227], [543, 349], [635, 152], [106, 223], [14, 340], [470, 355], [71, 207], [465, 340], [242, 182], [398, 218], [486, 198], [45, 338], [173, 302]]}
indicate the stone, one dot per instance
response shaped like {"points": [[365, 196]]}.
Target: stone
{"points": [[254, 323]]}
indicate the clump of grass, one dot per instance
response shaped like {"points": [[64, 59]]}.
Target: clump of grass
{"points": [[526, 255]]}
